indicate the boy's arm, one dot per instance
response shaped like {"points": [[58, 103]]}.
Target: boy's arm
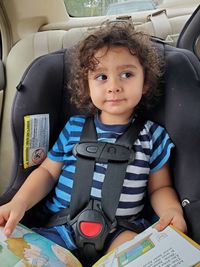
{"points": [[38, 184], [164, 200]]}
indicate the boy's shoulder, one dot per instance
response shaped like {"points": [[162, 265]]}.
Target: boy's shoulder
{"points": [[78, 117], [152, 128], [75, 123], [152, 125]]}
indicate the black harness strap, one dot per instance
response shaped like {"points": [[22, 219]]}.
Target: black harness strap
{"points": [[82, 181], [116, 171]]}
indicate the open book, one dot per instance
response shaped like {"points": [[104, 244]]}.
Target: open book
{"points": [[25, 248], [151, 248], [155, 249]]}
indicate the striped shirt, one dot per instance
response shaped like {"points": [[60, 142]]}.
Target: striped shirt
{"points": [[152, 150]]}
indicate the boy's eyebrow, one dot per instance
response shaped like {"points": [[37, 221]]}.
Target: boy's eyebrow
{"points": [[132, 66], [125, 66], [98, 69]]}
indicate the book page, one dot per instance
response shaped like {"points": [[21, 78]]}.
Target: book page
{"points": [[154, 249], [25, 248]]}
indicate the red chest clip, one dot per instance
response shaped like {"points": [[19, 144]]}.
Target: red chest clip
{"points": [[90, 229]]}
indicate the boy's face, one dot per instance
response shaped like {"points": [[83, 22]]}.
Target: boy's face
{"points": [[117, 84]]}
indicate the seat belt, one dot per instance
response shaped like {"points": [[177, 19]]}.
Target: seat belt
{"points": [[117, 155], [92, 220]]}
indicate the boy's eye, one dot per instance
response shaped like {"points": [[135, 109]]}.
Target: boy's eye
{"points": [[101, 77], [126, 75]]}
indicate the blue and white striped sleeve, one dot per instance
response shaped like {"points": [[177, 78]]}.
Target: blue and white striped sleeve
{"points": [[161, 147], [57, 152]]}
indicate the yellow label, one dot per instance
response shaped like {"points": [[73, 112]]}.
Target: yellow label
{"points": [[26, 145], [36, 139]]}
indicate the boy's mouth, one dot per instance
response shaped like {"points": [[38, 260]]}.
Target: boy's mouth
{"points": [[114, 100]]}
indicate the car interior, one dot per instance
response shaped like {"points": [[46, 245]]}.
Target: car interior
{"points": [[36, 40]]}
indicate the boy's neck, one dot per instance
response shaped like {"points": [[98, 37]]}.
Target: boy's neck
{"points": [[114, 120]]}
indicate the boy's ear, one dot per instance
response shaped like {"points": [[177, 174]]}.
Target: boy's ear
{"points": [[145, 89]]}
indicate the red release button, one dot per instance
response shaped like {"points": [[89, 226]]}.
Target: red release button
{"points": [[90, 229]]}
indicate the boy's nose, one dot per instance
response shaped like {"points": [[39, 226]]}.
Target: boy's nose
{"points": [[114, 87], [114, 90]]}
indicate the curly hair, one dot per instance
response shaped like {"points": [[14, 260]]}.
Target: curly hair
{"points": [[114, 33]]}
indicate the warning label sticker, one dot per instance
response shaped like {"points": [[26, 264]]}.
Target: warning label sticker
{"points": [[36, 139]]}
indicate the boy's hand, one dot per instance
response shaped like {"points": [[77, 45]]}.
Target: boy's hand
{"points": [[173, 217], [10, 214]]}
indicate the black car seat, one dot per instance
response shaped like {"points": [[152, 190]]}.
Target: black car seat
{"points": [[40, 91], [43, 90], [189, 37]]}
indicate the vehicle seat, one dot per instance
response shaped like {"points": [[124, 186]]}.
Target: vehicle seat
{"points": [[19, 58], [189, 37], [43, 90]]}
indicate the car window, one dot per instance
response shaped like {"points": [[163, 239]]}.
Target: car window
{"points": [[130, 6], [88, 8]]}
